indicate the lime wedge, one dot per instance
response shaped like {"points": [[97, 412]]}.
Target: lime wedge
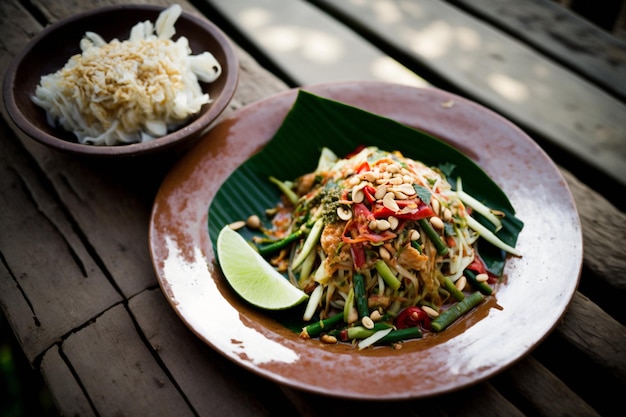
{"points": [[252, 277]]}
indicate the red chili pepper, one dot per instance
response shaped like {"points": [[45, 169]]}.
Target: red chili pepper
{"points": [[357, 229], [343, 335], [361, 212], [358, 255], [478, 267], [354, 152], [369, 192], [363, 167], [382, 212], [369, 237], [359, 232], [412, 317], [421, 210]]}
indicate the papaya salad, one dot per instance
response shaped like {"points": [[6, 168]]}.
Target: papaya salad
{"points": [[383, 244]]}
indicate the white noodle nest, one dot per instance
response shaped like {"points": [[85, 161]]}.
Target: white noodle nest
{"points": [[128, 91]]}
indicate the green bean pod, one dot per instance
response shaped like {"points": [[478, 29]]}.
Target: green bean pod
{"points": [[456, 293], [455, 311], [399, 335], [360, 295], [279, 244], [358, 332], [441, 246], [317, 328], [483, 287]]}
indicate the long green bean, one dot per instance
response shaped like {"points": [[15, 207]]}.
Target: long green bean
{"points": [[452, 289], [285, 188], [483, 287], [455, 311], [440, 245], [317, 328], [399, 335], [358, 332], [279, 244], [360, 295]]}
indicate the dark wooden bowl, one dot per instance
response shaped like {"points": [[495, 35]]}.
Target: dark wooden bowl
{"points": [[50, 49]]}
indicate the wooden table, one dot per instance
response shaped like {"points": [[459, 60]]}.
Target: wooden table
{"points": [[78, 287]]}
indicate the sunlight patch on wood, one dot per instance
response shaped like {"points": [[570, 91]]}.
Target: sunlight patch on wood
{"points": [[386, 69], [508, 87]]}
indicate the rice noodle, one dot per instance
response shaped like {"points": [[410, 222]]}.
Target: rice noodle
{"points": [[128, 91]]}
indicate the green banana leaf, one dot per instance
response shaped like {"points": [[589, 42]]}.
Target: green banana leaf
{"points": [[315, 122]]}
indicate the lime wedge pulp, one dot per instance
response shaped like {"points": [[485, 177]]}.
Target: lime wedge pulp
{"points": [[252, 277]]}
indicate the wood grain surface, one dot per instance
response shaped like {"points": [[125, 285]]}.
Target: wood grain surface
{"points": [[78, 287]]}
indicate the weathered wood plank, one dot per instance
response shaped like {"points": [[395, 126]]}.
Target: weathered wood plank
{"points": [[543, 392], [606, 16], [561, 34], [190, 361], [308, 45], [56, 10], [68, 394], [492, 68], [37, 236], [110, 360], [599, 336], [469, 402], [23, 26], [255, 83], [603, 225]]}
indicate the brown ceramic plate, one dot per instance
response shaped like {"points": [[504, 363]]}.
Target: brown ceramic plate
{"points": [[528, 305]]}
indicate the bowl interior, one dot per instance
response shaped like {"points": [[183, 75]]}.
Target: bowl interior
{"points": [[51, 49]]}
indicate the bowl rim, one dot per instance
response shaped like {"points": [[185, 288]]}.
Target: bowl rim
{"points": [[217, 105]]}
